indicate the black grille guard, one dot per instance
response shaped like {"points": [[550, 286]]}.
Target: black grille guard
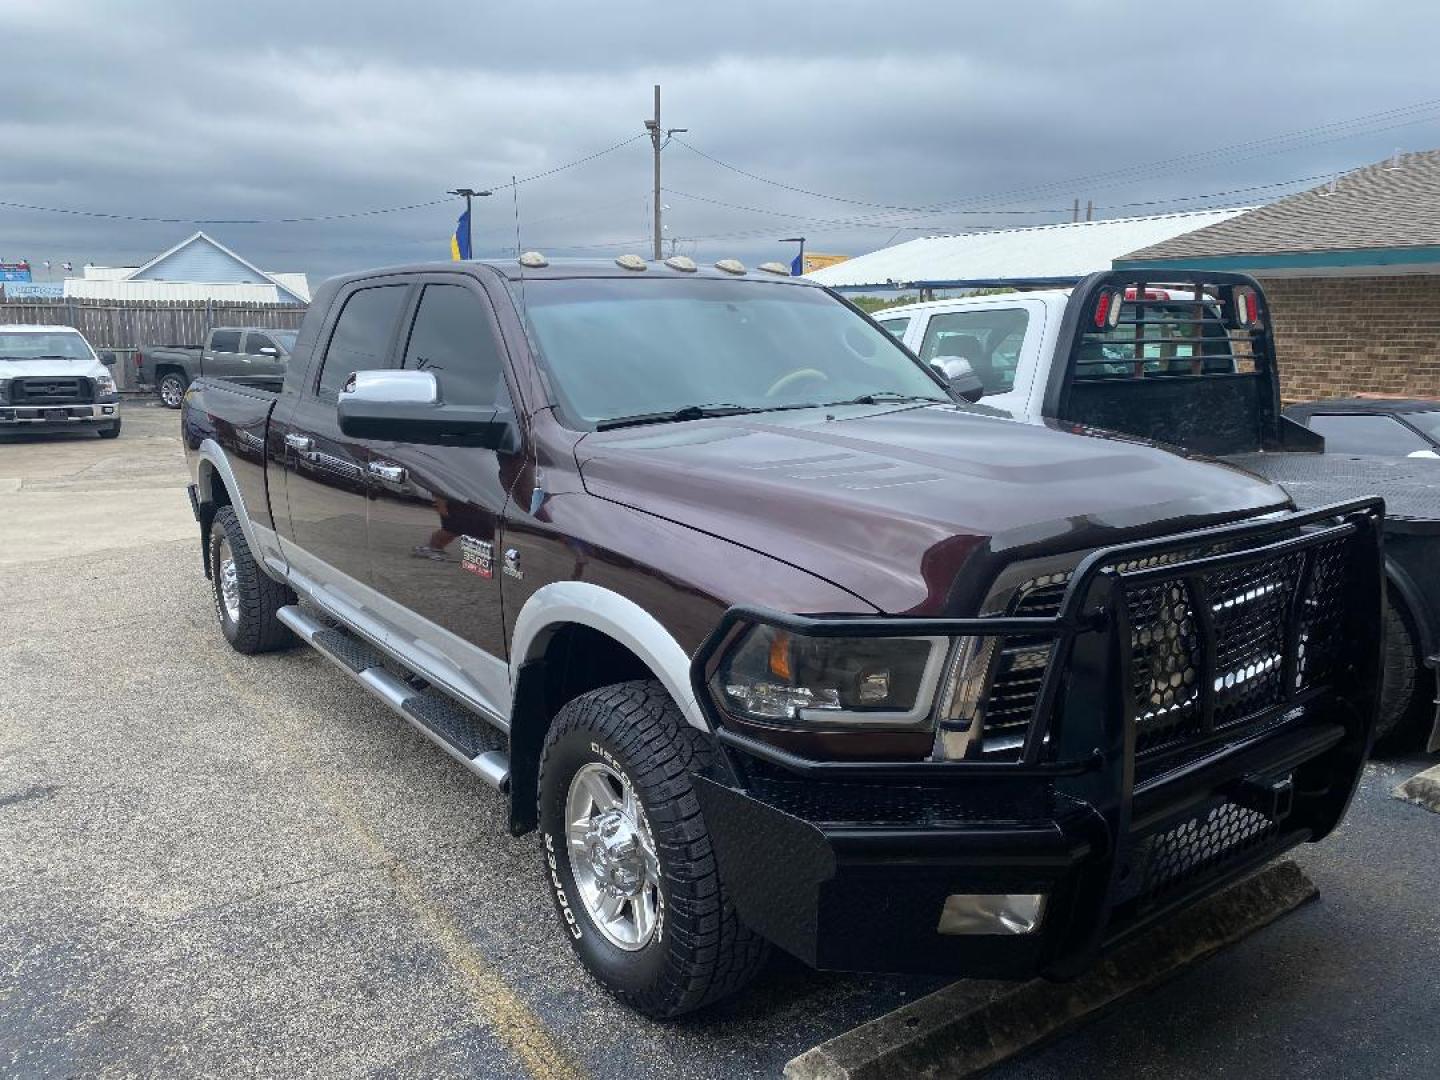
{"points": [[1095, 730]]}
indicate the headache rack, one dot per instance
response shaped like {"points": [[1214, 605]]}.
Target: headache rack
{"points": [[1163, 651], [1179, 357]]}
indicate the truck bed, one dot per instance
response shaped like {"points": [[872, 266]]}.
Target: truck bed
{"points": [[1410, 488]]}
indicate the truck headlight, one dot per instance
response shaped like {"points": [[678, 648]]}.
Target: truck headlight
{"points": [[104, 386], [775, 676]]}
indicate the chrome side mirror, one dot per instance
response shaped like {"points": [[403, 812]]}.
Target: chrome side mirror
{"points": [[407, 407]]}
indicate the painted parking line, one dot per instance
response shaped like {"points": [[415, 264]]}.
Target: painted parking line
{"points": [[970, 1026], [494, 1004]]}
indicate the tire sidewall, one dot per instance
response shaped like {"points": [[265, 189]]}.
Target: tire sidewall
{"points": [[225, 528], [632, 971]]}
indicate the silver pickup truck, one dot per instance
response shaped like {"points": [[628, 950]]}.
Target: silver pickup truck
{"points": [[228, 352]]}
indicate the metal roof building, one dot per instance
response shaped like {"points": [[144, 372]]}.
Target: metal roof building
{"points": [[1036, 256], [197, 268]]}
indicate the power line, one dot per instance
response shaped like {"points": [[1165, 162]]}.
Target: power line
{"points": [[1417, 112], [314, 218]]}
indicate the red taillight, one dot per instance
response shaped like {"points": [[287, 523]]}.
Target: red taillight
{"points": [[1247, 308], [1107, 309], [1150, 294]]}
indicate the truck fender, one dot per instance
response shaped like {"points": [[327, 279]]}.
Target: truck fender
{"points": [[1403, 586], [618, 617], [212, 455]]}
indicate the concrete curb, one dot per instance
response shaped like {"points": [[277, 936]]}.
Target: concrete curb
{"points": [[1423, 789], [970, 1026]]}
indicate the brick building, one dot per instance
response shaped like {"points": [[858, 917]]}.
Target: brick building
{"points": [[1352, 269]]}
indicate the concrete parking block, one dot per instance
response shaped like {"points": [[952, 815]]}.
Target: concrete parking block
{"points": [[970, 1026], [1423, 789]]}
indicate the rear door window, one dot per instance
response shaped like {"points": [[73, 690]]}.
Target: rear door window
{"points": [[895, 326], [1360, 433], [990, 341], [362, 336], [225, 341]]}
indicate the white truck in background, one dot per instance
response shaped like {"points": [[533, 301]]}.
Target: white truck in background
{"points": [[1187, 359], [51, 380]]}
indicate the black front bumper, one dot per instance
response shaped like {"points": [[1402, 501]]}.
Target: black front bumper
{"points": [[848, 865]]}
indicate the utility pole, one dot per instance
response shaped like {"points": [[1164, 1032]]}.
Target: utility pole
{"points": [[1075, 213], [469, 193], [1089, 209], [658, 138]]}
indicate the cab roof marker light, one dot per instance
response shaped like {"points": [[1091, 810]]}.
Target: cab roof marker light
{"points": [[774, 268], [731, 266], [533, 260], [681, 262], [630, 262]]}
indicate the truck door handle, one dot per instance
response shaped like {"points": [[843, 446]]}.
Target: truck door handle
{"points": [[299, 442], [391, 474]]}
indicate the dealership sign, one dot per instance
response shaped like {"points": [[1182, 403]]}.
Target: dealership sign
{"points": [[14, 271]]}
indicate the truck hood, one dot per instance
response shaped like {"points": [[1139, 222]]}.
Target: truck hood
{"points": [[69, 368], [890, 503]]}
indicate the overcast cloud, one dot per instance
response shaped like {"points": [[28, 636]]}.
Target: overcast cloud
{"points": [[271, 110]]}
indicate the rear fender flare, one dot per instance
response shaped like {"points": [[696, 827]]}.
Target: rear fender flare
{"points": [[212, 455]]}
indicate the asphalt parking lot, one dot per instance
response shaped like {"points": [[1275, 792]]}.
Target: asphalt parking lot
{"points": [[218, 864]]}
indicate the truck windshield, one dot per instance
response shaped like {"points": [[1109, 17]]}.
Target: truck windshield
{"points": [[65, 346], [625, 348]]}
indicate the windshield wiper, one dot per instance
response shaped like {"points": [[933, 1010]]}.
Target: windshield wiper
{"points": [[672, 416], [887, 397]]}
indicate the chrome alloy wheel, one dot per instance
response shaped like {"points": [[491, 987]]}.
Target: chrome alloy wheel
{"points": [[172, 392], [229, 584], [612, 855]]}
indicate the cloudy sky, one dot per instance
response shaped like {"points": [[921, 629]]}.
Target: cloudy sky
{"points": [[873, 123]]}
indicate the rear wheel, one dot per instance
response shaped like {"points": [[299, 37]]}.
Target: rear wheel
{"points": [[172, 388], [246, 598], [632, 871]]}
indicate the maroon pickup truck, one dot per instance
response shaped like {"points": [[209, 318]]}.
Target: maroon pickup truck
{"points": [[775, 638]]}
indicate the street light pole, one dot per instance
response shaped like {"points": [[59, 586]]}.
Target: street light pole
{"points": [[469, 193]]}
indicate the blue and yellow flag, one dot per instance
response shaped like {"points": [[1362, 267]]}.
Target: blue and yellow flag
{"points": [[460, 241]]}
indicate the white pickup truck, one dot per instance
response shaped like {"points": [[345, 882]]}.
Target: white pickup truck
{"points": [[51, 380], [1188, 360]]}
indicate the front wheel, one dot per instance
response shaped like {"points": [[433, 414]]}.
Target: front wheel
{"points": [[111, 432], [631, 869], [172, 389]]}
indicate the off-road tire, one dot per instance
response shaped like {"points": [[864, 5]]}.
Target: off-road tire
{"points": [[178, 383], [700, 951], [111, 432], [1402, 682], [257, 630]]}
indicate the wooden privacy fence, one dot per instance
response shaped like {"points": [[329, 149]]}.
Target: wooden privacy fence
{"points": [[122, 325]]}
